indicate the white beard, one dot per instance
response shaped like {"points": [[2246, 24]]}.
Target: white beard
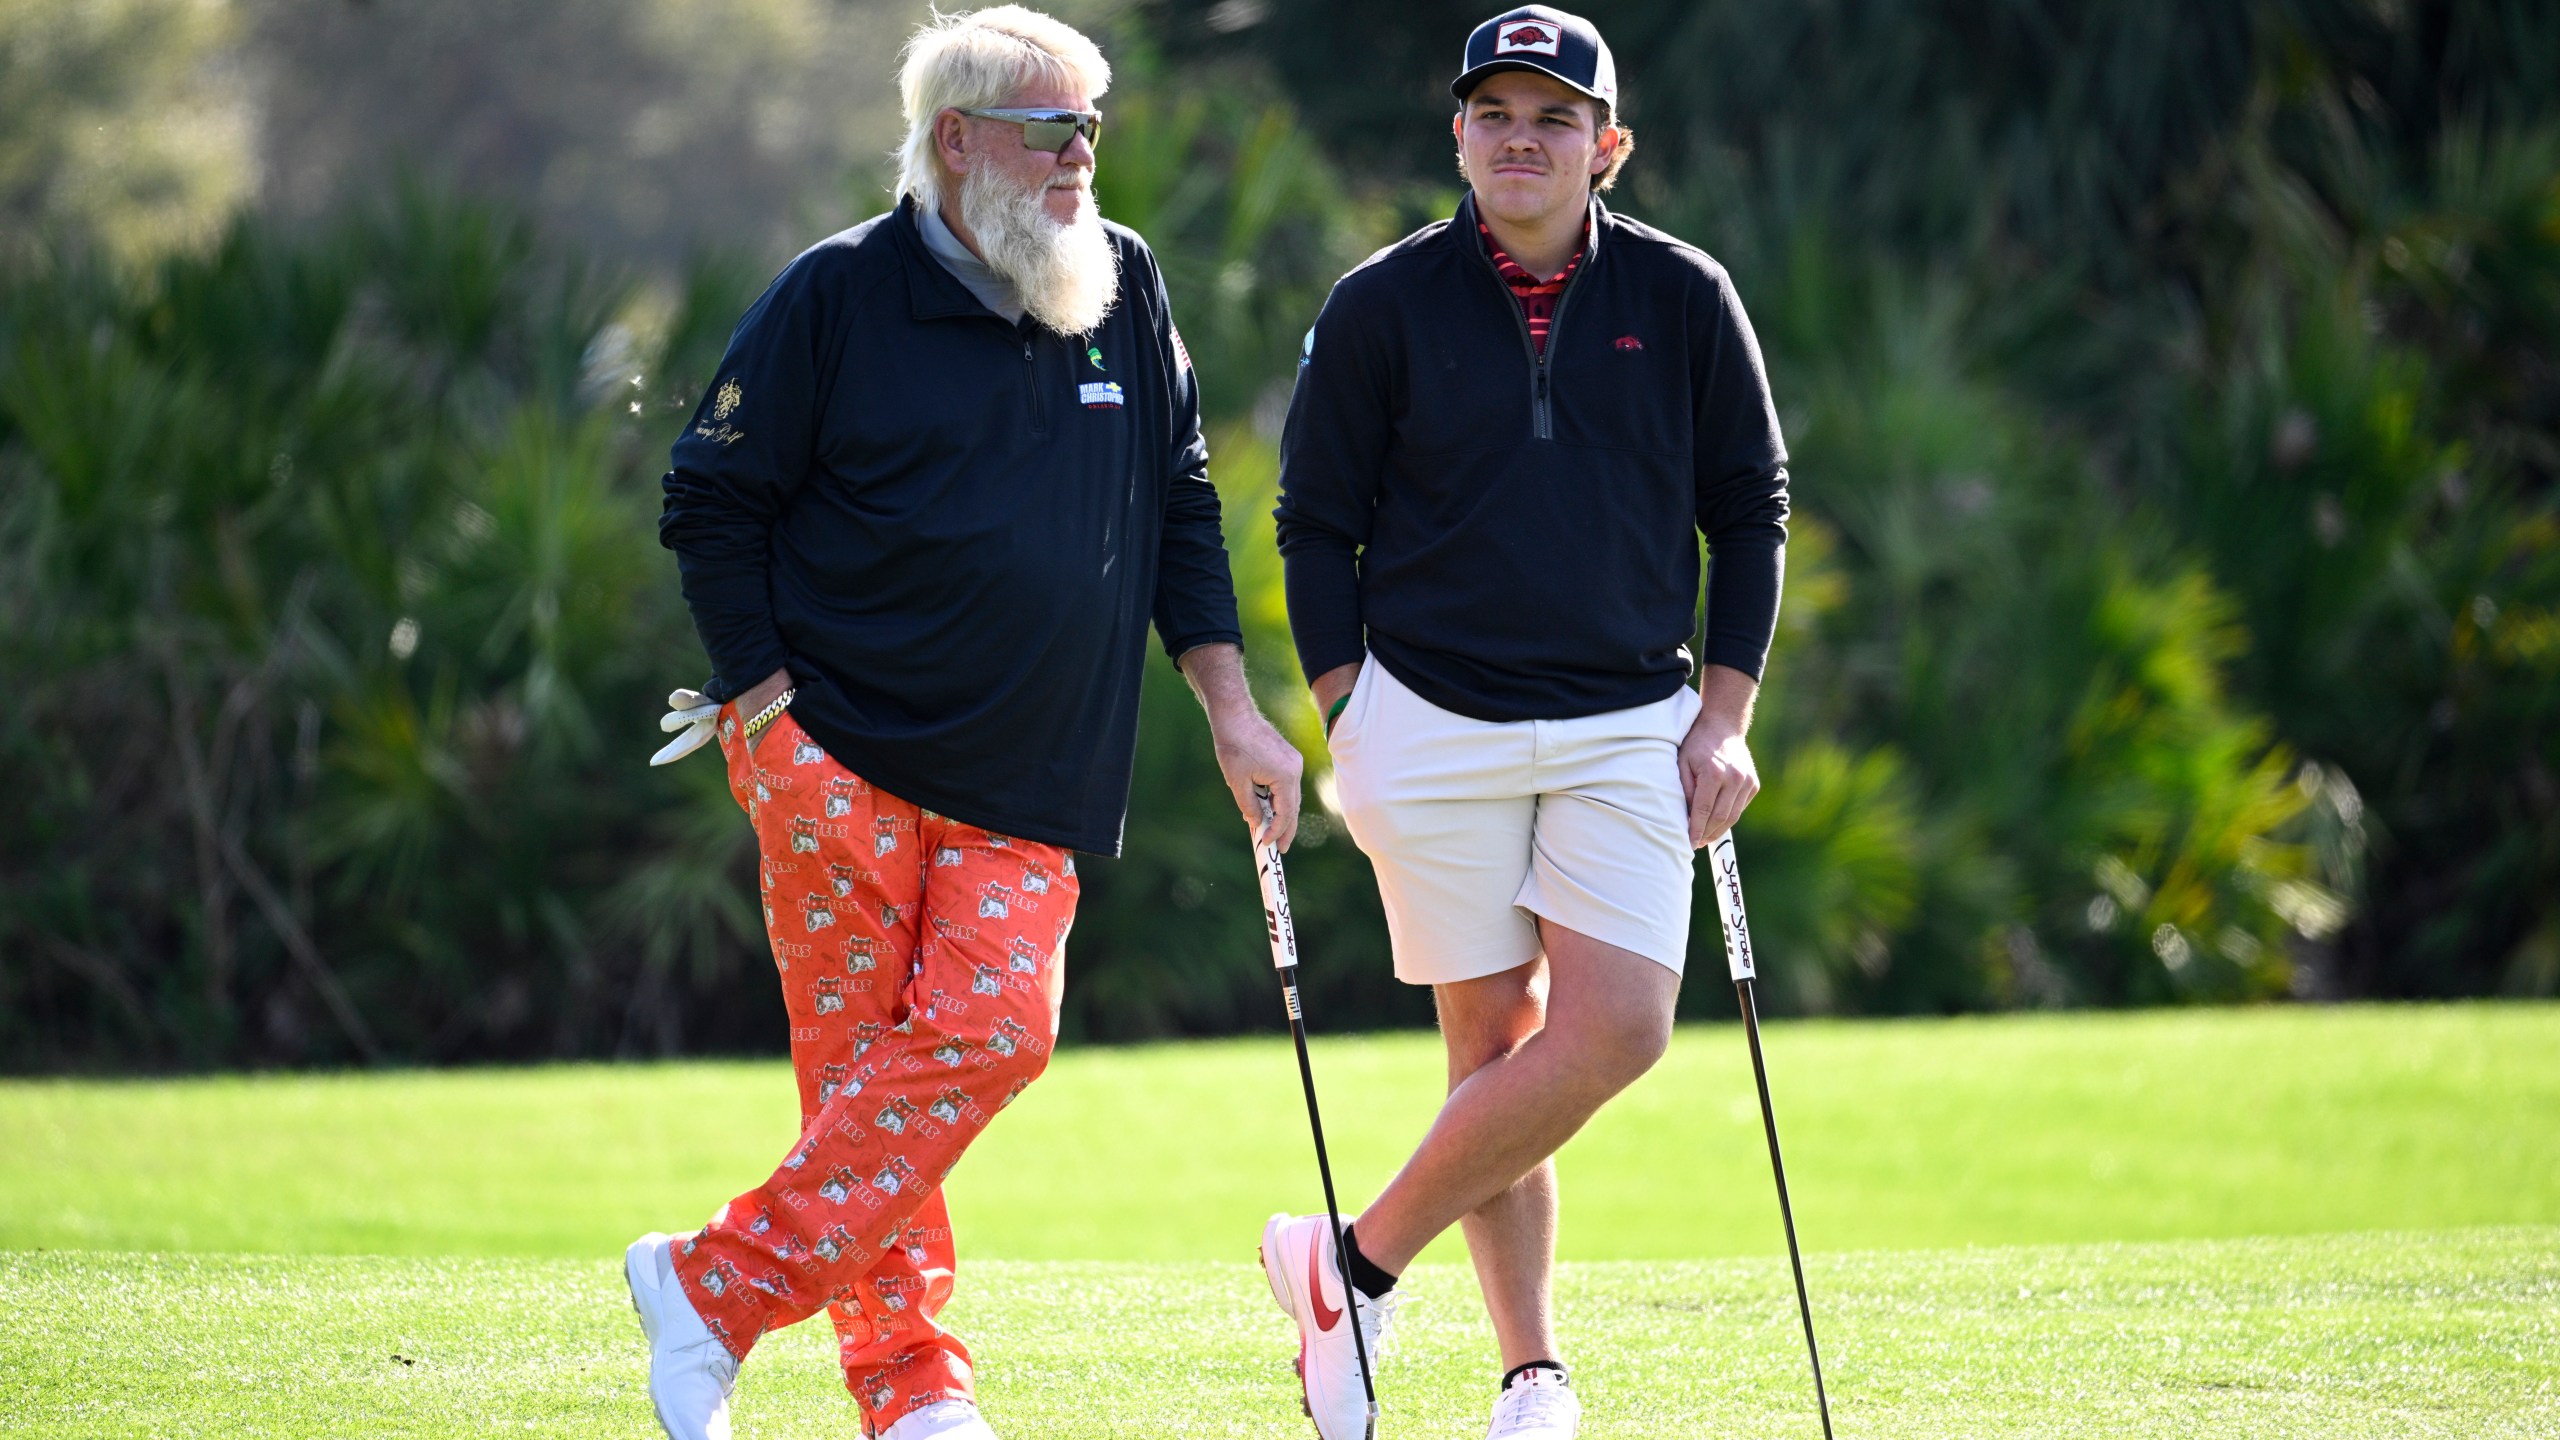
{"points": [[1068, 274]]}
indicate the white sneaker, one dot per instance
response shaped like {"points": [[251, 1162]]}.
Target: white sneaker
{"points": [[941, 1420], [1538, 1406], [1298, 1260], [690, 1371]]}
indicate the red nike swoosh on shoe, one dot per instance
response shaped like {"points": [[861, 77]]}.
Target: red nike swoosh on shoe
{"points": [[1326, 1316]]}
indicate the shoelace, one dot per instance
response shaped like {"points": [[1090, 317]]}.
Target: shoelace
{"points": [[717, 1359], [1377, 1321], [1524, 1407]]}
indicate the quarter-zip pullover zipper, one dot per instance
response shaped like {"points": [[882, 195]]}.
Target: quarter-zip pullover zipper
{"points": [[1031, 377], [1542, 423]]}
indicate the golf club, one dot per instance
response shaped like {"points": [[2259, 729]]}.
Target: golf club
{"points": [[1737, 954], [1284, 956]]}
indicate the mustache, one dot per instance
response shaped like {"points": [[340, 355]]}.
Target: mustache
{"points": [[1065, 272]]}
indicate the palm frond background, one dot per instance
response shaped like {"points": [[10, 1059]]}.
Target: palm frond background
{"points": [[2173, 613]]}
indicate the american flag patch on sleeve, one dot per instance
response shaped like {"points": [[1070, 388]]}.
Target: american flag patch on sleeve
{"points": [[1181, 356]]}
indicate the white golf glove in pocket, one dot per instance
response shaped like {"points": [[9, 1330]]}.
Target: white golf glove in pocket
{"points": [[691, 719]]}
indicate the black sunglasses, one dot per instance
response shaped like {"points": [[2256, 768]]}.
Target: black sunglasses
{"points": [[1050, 130]]}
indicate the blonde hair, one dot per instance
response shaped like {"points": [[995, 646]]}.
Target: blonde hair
{"points": [[1625, 152], [982, 58]]}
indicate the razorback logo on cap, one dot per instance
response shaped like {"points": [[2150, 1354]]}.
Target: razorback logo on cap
{"points": [[1529, 37]]}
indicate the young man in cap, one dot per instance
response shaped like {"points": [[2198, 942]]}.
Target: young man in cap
{"points": [[949, 471], [1507, 430]]}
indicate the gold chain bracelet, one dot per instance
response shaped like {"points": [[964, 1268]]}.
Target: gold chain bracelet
{"points": [[765, 716]]}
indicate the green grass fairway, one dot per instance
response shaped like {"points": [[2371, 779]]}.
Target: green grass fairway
{"points": [[2264, 1223], [1912, 1134], [2365, 1337]]}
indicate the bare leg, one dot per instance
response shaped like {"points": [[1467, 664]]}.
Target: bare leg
{"points": [[1608, 1021], [1511, 1237]]}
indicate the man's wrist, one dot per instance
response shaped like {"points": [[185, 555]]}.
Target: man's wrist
{"points": [[1216, 673], [1330, 687], [1225, 719], [762, 693], [1725, 699]]}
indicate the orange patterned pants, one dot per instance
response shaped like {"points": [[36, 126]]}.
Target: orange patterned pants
{"points": [[921, 964]]}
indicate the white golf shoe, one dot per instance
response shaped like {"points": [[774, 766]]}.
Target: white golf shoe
{"points": [[1298, 1260], [690, 1371], [941, 1420], [1540, 1405]]}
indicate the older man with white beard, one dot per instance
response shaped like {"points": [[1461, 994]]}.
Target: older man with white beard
{"points": [[949, 471]]}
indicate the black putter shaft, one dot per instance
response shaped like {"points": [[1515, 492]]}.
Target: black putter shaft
{"points": [[1284, 957], [1737, 952]]}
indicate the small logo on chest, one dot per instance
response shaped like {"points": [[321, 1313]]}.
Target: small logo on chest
{"points": [[1627, 342], [1100, 394]]}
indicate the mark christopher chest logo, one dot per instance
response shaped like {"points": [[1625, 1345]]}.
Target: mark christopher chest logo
{"points": [[1100, 394], [1529, 38]]}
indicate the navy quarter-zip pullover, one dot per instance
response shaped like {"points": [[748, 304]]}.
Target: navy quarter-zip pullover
{"points": [[952, 530], [1512, 534]]}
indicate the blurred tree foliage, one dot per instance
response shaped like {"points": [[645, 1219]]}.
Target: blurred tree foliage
{"points": [[122, 122], [637, 129], [329, 596], [2173, 614]]}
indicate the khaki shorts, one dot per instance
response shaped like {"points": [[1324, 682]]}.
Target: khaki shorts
{"points": [[1477, 828]]}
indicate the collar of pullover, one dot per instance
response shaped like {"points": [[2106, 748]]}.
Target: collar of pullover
{"points": [[991, 289], [1466, 226]]}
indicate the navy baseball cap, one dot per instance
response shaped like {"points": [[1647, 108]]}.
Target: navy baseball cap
{"points": [[1536, 37]]}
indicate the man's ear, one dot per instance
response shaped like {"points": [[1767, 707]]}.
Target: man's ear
{"points": [[951, 139], [1605, 150]]}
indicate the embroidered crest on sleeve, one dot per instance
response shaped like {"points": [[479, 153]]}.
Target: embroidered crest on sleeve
{"points": [[724, 403]]}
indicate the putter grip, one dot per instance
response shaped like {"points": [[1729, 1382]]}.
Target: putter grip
{"points": [[1737, 931], [1275, 891]]}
